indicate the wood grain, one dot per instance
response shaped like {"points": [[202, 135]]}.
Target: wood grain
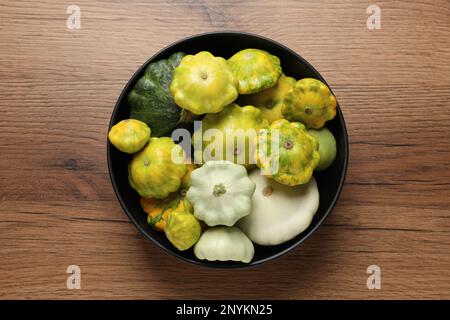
{"points": [[58, 88]]}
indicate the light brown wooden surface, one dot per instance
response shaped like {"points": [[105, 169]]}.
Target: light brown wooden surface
{"points": [[58, 89]]}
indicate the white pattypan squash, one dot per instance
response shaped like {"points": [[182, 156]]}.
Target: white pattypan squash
{"points": [[279, 212], [220, 193], [224, 244]]}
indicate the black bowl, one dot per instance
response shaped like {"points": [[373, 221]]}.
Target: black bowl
{"points": [[225, 44]]}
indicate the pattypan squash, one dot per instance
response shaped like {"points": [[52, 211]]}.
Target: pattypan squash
{"points": [[186, 180], [238, 127], [203, 83], [156, 214], [255, 70], [269, 101], [182, 229], [310, 102], [152, 172], [129, 135], [287, 152], [150, 100], [224, 244], [279, 212], [220, 193], [159, 209], [327, 147]]}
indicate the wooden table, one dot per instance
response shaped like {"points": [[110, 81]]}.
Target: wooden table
{"points": [[58, 89]]}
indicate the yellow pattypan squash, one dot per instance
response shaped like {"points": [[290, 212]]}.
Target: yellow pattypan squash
{"points": [[203, 83], [238, 127], [153, 172], [270, 100], [129, 135], [159, 209], [182, 229], [255, 70], [186, 180], [310, 102], [287, 152]]}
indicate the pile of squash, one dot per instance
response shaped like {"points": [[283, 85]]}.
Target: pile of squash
{"points": [[221, 208]]}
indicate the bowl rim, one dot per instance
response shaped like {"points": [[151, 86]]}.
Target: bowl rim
{"points": [[220, 264]]}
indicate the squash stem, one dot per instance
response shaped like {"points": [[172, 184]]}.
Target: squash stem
{"points": [[219, 189]]}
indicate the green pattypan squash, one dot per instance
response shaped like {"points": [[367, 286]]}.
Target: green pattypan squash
{"points": [[255, 70], [182, 229], [327, 147], [151, 101], [224, 244], [238, 127], [279, 212], [293, 159], [220, 193], [152, 172], [270, 100], [310, 102], [129, 135], [203, 83]]}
